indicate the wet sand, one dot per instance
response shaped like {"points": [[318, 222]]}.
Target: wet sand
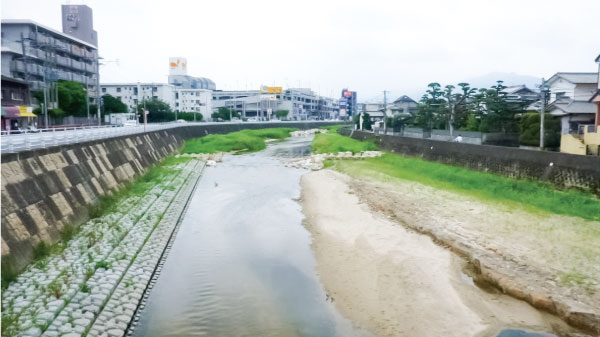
{"points": [[393, 281]]}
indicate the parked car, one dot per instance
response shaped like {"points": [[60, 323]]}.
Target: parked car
{"points": [[180, 121]]}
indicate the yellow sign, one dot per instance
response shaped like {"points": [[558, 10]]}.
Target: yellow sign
{"points": [[271, 90], [26, 111]]}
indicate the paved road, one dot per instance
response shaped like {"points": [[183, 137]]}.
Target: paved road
{"points": [[40, 140]]}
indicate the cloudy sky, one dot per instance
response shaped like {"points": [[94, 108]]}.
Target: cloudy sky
{"points": [[367, 46]]}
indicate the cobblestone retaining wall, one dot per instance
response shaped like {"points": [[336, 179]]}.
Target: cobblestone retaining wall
{"points": [[561, 169], [44, 190]]}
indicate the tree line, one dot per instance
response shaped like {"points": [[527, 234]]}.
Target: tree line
{"points": [[472, 109]]}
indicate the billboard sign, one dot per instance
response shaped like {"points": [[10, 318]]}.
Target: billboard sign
{"points": [[271, 90], [177, 66], [347, 93], [342, 112]]}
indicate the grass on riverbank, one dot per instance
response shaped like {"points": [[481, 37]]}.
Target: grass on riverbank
{"points": [[106, 204], [333, 142], [483, 185], [243, 141]]}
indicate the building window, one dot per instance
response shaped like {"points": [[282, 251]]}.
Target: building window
{"points": [[118, 89], [103, 89], [16, 95]]}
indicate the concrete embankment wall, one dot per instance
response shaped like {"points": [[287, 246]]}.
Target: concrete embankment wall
{"points": [[562, 170], [44, 190]]}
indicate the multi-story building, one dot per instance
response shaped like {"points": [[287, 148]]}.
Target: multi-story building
{"points": [[133, 93], [179, 78], [183, 93], [180, 100], [569, 99], [348, 104], [78, 21], [40, 55], [194, 100], [302, 103]]}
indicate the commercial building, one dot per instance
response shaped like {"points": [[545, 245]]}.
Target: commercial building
{"points": [[179, 78], [348, 105], [302, 103]]}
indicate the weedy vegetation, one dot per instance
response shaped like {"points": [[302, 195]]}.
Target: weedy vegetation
{"points": [[244, 141]]}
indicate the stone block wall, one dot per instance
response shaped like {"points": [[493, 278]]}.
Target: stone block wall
{"points": [[44, 190], [561, 169]]}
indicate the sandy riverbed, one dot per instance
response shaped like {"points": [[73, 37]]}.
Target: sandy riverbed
{"points": [[395, 282]]}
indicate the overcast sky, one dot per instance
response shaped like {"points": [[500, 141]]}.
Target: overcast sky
{"points": [[366, 45]]}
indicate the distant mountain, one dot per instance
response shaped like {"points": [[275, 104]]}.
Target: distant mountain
{"points": [[488, 80]]}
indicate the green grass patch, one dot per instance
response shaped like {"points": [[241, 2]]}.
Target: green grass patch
{"points": [[243, 141], [333, 142], [140, 186], [533, 195]]}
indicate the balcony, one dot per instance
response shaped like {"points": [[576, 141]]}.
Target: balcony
{"points": [[91, 68]]}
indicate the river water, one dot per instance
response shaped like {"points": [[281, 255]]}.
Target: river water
{"points": [[241, 264]]}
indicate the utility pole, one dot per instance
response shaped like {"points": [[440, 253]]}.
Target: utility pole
{"points": [[98, 88], [385, 111], [452, 107], [542, 111]]}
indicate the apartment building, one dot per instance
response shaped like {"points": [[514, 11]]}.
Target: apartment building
{"points": [[180, 100], [133, 93], [40, 55]]}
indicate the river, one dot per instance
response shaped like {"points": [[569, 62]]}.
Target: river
{"points": [[241, 263]]}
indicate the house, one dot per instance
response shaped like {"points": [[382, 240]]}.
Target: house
{"points": [[596, 98], [403, 105], [569, 99], [520, 93], [576, 99]]}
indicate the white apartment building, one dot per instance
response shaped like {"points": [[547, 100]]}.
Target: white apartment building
{"points": [[133, 93], [194, 100], [180, 100]]}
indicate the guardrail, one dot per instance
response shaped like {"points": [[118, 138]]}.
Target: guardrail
{"points": [[22, 140]]}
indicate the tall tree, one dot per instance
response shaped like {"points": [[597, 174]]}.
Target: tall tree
{"points": [[495, 111], [72, 98], [432, 110], [225, 113], [111, 104], [159, 111]]}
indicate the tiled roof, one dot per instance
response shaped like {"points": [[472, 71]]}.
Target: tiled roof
{"points": [[576, 77]]}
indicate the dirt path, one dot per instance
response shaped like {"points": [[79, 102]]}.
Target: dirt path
{"points": [[396, 282]]}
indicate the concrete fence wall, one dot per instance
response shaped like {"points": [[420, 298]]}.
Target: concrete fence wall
{"points": [[562, 170], [44, 190]]}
